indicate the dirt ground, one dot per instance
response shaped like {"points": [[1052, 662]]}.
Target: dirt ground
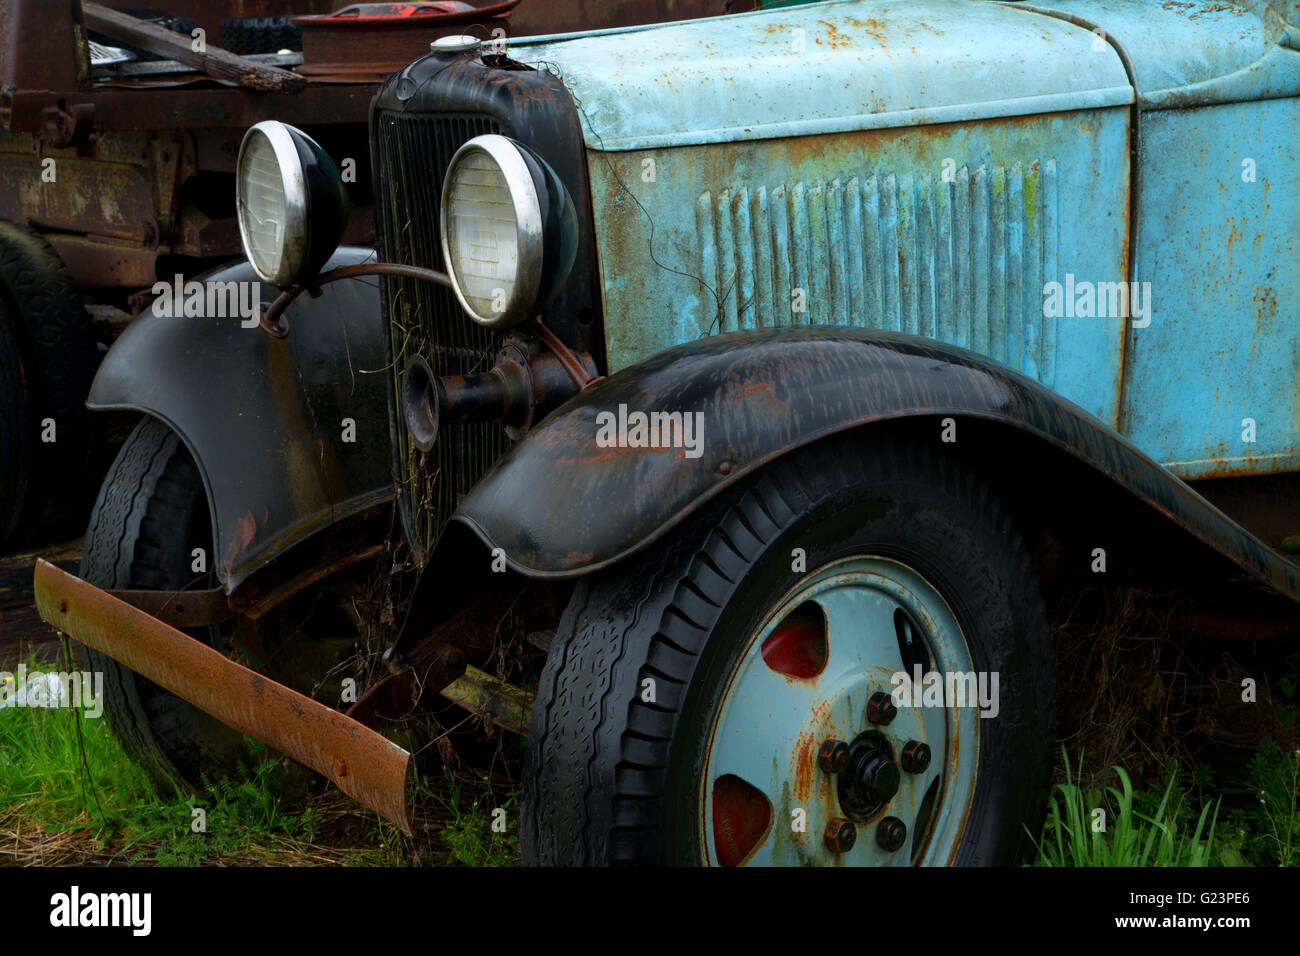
{"points": [[21, 629]]}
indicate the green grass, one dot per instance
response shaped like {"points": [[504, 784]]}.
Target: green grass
{"points": [[1263, 829], [109, 798], [41, 767], [103, 808], [65, 774], [1103, 826], [1167, 825], [470, 834], [461, 832]]}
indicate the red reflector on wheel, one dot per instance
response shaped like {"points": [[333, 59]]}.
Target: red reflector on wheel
{"points": [[797, 648], [741, 817]]}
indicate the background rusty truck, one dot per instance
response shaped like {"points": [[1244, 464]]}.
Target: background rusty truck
{"points": [[115, 176]]}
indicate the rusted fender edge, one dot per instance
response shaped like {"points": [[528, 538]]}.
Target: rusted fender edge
{"points": [[290, 435], [363, 764], [560, 505]]}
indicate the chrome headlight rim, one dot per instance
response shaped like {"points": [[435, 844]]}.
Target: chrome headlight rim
{"points": [[512, 161], [293, 182]]}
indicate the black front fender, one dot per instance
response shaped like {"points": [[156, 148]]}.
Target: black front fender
{"points": [[265, 418], [560, 505]]}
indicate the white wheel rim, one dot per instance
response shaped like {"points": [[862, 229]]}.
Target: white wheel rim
{"points": [[769, 726]]}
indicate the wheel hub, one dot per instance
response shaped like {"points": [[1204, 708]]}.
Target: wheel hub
{"points": [[781, 785], [870, 779]]}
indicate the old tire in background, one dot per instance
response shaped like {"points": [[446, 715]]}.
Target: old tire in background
{"points": [[13, 427], [245, 35], [58, 355], [758, 654]]}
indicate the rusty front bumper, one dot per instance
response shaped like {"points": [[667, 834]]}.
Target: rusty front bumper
{"points": [[363, 764]]}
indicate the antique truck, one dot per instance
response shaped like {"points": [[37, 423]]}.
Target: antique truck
{"points": [[767, 373]]}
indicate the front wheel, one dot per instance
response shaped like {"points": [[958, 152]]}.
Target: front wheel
{"points": [[149, 524], [732, 696], [150, 529]]}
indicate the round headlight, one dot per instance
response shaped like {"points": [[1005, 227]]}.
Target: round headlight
{"points": [[291, 203], [509, 231]]}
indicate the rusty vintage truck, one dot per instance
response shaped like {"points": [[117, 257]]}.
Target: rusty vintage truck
{"points": [[764, 371]]}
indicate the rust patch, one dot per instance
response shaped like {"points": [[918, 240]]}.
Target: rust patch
{"points": [[242, 535], [805, 766]]}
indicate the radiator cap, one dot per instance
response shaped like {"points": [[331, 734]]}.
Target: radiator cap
{"points": [[454, 45]]}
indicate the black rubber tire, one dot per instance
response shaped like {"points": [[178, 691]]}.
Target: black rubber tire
{"points": [[13, 428], [151, 511], [56, 346], [609, 779], [245, 35]]}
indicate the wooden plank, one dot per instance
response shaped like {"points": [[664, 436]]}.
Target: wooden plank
{"points": [[214, 61], [480, 693]]}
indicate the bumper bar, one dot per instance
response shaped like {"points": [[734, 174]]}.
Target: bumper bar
{"points": [[363, 764]]}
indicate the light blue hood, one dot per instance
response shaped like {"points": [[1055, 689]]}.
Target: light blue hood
{"points": [[826, 68]]}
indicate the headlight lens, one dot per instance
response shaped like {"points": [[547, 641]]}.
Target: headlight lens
{"points": [[290, 201], [262, 205], [492, 225]]}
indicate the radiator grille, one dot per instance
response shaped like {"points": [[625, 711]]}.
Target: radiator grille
{"points": [[412, 152], [961, 257]]}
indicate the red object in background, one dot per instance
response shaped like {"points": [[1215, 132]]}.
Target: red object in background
{"points": [[448, 13], [372, 40], [396, 11]]}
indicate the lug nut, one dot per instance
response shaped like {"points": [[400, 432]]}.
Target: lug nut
{"points": [[891, 834], [841, 834], [833, 756], [881, 709], [915, 756]]}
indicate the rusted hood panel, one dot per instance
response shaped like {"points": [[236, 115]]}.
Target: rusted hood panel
{"points": [[827, 68], [1195, 52], [560, 504]]}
